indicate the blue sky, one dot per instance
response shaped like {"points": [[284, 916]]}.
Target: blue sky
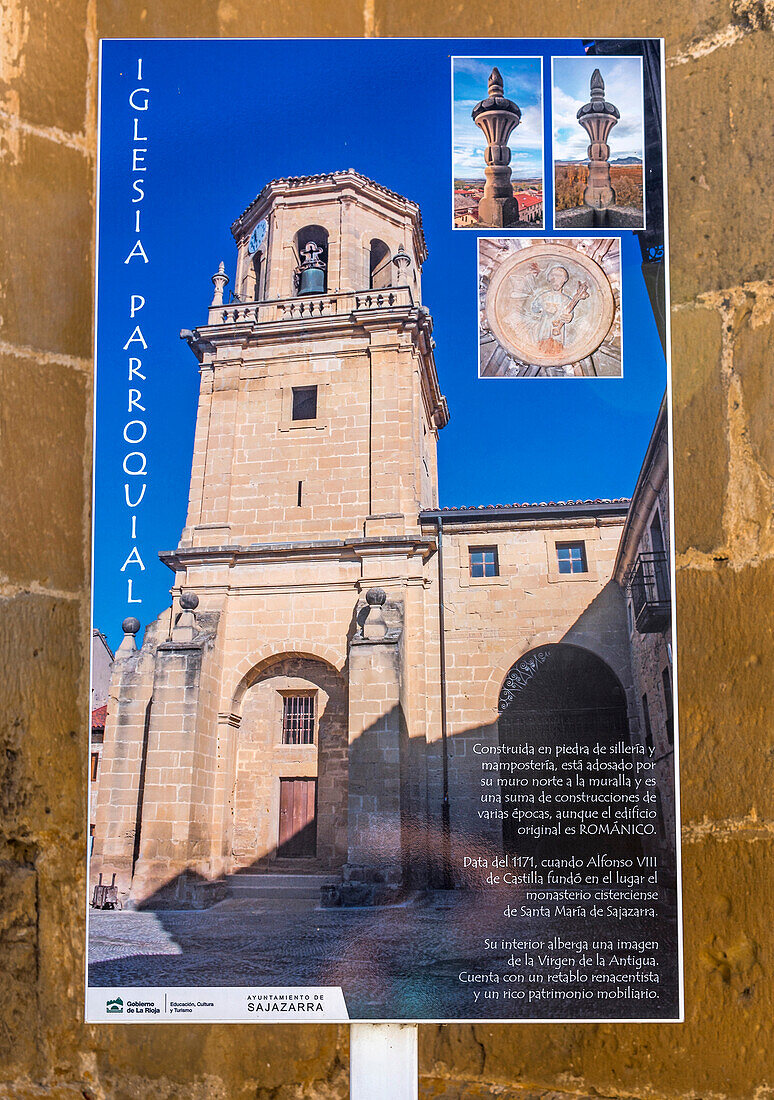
{"points": [[521, 83], [623, 88], [225, 117]]}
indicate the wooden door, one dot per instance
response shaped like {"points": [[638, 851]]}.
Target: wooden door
{"points": [[298, 819]]}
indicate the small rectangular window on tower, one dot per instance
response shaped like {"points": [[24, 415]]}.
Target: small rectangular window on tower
{"points": [[300, 493], [304, 403], [483, 561], [298, 720], [571, 557]]}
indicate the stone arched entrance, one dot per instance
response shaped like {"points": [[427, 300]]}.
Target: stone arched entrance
{"points": [[556, 695], [290, 793]]}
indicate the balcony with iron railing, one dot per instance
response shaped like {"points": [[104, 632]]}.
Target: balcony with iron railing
{"points": [[649, 588], [308, 306]]}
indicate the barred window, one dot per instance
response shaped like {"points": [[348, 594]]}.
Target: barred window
{"points": [[298, 720]]}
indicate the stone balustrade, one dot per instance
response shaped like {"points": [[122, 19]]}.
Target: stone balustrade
{"points": [[313, 305]]}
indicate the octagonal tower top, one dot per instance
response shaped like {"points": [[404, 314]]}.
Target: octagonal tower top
{"points": [[362, 236]]}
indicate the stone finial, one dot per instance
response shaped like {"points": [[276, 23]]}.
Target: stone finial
{"points": [[374, 623], [597, 85], [219, 280], [598, 117], [128, 644], [598, 106], [184, 629], [495, 82], [497, 117], [402, 262]]}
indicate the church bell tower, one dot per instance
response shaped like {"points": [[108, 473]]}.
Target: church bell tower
{"points": [[279, 708], [320, 407]]}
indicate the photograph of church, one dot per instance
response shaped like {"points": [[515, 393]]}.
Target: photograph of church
{"points": [[309, 712]]}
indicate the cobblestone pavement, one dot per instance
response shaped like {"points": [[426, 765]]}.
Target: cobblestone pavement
{"points": [[407, 957]]}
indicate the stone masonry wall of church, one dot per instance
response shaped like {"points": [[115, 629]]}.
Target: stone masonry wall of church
{"points": [[483, 640], [251, 441], [719, 90]]}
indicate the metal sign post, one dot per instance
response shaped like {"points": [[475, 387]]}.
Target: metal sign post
{"points": [[383, 1062]]}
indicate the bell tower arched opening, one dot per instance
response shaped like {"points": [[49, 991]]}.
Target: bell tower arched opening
{"points": [[311, 246], [379, 265], [251, 283]]}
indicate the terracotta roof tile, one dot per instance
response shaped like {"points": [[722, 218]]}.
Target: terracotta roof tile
{"points": [[533, 504]]}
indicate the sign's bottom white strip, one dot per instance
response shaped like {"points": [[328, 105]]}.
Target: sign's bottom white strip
{"points": [[215, 1004]]}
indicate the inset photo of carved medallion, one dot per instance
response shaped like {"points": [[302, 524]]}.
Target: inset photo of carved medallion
{"points": [[549, 308]]}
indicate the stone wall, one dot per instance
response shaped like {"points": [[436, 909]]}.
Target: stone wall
{"points": [[719, 97], [490, 622]]}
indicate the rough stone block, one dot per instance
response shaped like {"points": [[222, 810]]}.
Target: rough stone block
{"points": [[43, 411], [714, 109], [700, 444], [679, 23], [227, 19], [43, 738], [242, 17], [18, 962], [46, 281], [61, 871], [174, 18], [46, 69], [728, 947], [752, 361], [725, 623], [220, 1064]]}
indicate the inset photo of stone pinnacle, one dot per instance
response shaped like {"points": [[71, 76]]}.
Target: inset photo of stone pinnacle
{"points": [[497, 142], [598, 143]]}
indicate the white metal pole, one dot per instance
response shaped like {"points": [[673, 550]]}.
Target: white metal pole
{"points": [[383, 1062]]}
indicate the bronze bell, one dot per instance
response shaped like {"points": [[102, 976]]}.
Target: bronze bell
{"points": [[312, 272]]}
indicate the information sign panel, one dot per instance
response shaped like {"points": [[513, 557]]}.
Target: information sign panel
{"points": [[383, 721]]}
